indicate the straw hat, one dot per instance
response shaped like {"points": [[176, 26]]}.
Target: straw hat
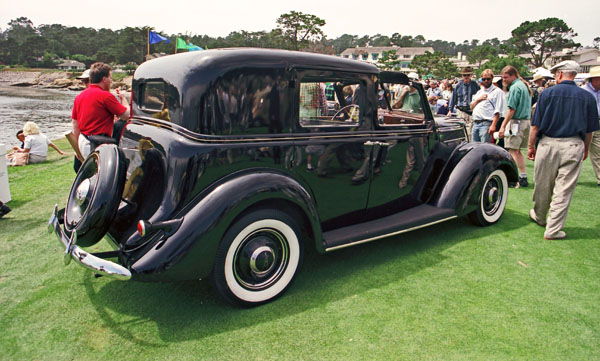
{"points": [[537, 77], [594, 72]]}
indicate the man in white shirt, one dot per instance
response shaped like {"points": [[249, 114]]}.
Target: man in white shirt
{"points": [[487, 106]]}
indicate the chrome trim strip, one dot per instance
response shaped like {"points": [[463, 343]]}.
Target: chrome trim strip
{"points": [[386, 235], [298, 137], [87, 260]]}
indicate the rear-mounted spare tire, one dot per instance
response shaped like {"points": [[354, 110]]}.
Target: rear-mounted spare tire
{"points": [[95, 195]]}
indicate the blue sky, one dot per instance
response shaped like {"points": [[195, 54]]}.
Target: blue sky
{"points": [[445, 20]]}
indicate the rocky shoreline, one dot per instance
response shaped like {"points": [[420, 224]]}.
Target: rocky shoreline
{"points": [[51, 80]]}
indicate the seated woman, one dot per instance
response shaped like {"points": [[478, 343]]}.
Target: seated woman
{"points": [[36, 144]]}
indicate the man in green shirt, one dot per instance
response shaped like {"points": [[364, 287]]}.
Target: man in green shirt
{"points": [[409, 100], [516, 123]]}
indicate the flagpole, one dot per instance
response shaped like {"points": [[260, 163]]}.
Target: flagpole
{"points": [[147, 54], [176, 39]]}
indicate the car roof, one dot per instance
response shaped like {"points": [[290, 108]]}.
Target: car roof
{"points": [[175, 69]]}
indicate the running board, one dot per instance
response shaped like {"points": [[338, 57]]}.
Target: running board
{"points": [[406, 221]]}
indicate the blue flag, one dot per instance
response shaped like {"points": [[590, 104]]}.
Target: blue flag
{"points": [[157, 38]]}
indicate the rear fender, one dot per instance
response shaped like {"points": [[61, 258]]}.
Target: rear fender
{"points": [[189, 252], [465, 174]]}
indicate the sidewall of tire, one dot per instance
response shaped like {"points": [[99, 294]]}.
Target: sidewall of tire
{"points": [[479, 216], [223, 278]]}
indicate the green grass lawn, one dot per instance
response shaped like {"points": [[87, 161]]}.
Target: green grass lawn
{"points": [[449, 292]]}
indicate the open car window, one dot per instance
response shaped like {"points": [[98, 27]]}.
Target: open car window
{"points": [[332, 103], [399, 104]]}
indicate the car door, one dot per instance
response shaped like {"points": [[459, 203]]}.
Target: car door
{"points": [[333, 114], [401, 145]]}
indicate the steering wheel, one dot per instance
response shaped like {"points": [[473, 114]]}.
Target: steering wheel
{"points": [[350, 110]]}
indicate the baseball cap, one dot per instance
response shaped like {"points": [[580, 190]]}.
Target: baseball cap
{"points": [[85, 75]]}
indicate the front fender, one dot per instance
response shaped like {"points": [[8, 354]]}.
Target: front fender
{"points": [[465, 173], [189, 252]]}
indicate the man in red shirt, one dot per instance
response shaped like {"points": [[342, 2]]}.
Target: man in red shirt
{"points": [[95, 108]]}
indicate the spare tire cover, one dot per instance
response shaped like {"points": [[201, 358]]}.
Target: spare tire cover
{"points": [[95, 195]]}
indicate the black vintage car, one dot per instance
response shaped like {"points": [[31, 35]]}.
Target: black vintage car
{"points": [[234, 160]]}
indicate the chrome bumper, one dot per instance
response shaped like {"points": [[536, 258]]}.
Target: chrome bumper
{"points": [[87, 260]]}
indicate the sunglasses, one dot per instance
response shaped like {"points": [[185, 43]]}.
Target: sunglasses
{"points": [[465, 75], [484, 79]]}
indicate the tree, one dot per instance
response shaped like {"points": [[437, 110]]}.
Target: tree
{"points": [[343, 42], [497, 63], [542, 38], [380, 40], [300, 28], [436, 63], [389, 60], [481, 53], [596, 43], [19, 33], [20, 29], [320, 47]]}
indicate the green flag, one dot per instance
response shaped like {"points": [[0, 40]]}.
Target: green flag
{"points": [[181, 44]]}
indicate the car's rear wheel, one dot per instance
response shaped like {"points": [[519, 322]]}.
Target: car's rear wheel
{"points": [[492, 199], [258, 258]]}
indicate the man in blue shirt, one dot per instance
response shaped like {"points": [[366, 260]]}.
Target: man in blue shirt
{"points": [[593, 87], [563, 122], [462, 97]]}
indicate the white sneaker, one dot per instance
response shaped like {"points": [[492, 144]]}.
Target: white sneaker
{"points": [[557, 235]]}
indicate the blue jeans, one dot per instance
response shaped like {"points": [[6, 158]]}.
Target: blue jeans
{"points": [[480, 131]]}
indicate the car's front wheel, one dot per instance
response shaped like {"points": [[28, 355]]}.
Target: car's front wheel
{"points": [[258, 258], [492, 199]]}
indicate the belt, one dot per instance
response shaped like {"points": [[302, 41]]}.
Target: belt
{"points": [[481, 120], [88, 136]]}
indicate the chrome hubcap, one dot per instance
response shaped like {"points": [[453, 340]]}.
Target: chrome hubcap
{"points": [[82, 192], [261, 259], [492, 196]]}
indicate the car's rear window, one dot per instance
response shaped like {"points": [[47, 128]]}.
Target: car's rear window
{"points": [[153, 96], [155, 100]]}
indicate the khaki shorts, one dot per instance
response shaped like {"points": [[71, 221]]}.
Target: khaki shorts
{"points": [[519, 140]]}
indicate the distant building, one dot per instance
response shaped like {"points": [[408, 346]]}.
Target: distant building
{"points": [[586, 57], [372, 54], [460, 61], [71, 65]]}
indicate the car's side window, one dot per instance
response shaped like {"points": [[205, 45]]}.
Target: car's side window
{"points": [[243, 103], [329, 103], [400, 105]]}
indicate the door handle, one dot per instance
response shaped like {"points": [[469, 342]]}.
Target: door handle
{"points": [[381, 144]]}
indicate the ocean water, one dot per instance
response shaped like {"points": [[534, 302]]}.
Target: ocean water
{"points": [[50, 109]]}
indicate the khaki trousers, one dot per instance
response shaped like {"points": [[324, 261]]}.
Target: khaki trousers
{"points": [[468, 121], [556, 170], [594, 154]]}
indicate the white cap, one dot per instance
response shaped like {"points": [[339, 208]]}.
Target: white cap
{"points": [[412, 75], [567, 65], [85, 75]]}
